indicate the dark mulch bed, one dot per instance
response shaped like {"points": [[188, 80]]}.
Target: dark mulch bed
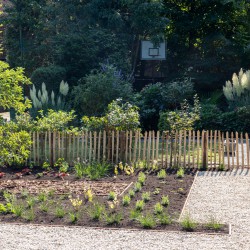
{"points": [[176, 189]]}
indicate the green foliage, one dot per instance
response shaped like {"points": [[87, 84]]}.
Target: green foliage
{"points": [[11, 90], [141, 178], [162, 174], [137, 187], [147, 221], [94, 92], [62, 165], [60, 212], [55, 120], [51, 75], [213, 224], [139, 205], [119, 116], [221, 167], [188, 224], [113, 218], [42, 197], [31, 201], [112, 196], [79, 169], [165, 201], [96, 211], [41, 100], [126, 200], [46, 166], [237, 92], [14, 146], [131, 193], [180, 173], [73, 217], [184, 118], [134, 214], [29, 215], [164, 219], [158, 208], [93, 170], [3, 209], [146, 196]]}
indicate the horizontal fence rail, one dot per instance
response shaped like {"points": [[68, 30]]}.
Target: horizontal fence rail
{"points": [[212, 149]]}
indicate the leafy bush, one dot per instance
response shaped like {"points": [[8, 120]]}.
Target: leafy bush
{"points": [[126, 200], [188, 224], [180, 173], [96, 211], [147, 221], [146, 196], [14, 146], [119, 116], [139, 205], [52, 75], [162, 174], [137, 187], [141, 178], [55, 120], [113, 218], [165, 201], [158, 208], [95, 91]]}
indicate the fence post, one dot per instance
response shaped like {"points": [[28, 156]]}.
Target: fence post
{"points": [[205, 151], [122, 146]]}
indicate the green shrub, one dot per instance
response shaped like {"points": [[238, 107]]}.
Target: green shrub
{"points": [[126, 200], [137, 187], [141, 178], [134, 214], [188, 224], [30, 215], [158, 208], [96, 211], [147, 221], [146, 196], [3, 209], [60, 212], [139, 205], [73, 217], [213, 224], [164, 219], [165, 201], [180, 173], [112, 196], [162, 174], [31, 201], [131, 193], [113, 218]]}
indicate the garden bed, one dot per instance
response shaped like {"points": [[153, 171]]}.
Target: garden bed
{"points": [[50, 200]]}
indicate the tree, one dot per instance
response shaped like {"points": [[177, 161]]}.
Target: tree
{"points": [[11, 91]]}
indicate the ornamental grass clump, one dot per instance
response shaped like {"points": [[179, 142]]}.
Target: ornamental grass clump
{"points": [[146, 196], [158, 208], [213, 224], [112, 196], [162, 174], [131, 193], [180, 173], [113, 218], [137, 187], [96, 211], [134, 214], [188, 224], [139, 205], [141, 178], [147, 221], [60, 212], [164, 219], [165, 201], [126, 200]]}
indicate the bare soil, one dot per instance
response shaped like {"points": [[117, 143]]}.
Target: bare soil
{"points": [[58, 188]]}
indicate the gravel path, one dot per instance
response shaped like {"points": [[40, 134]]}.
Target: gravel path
{"points": [[225, 195]]}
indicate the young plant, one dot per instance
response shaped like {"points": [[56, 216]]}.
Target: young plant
{"points": [[162, 174], [112, 196], [134, 214], [44, 207], [3, 209], [46, 166], [165, 201], [75, 202], [60, 212], [126, 200], [139, 205], [156, 191], [146, 196], [213, 224], [158, 208], [89, 195], [42, 197], [113, 218], [30, 215], [188, 224], [164, 219], [137, 187], [96, 211], [180, 173], [147, 221], [17, 209], [131, 193], [73, 217], [141, 178], [31, 201], [79, 170]]}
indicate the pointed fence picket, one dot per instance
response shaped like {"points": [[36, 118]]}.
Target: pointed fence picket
{"points": [[187, 149]]}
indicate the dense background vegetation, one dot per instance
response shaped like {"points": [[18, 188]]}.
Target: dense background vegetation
{"points": [[94, 46]]}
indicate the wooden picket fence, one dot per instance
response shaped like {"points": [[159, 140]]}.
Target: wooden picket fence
{"points": [[210, 149]]}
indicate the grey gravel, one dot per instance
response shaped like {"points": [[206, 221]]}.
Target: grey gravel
{"points": [[225, 195]]}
